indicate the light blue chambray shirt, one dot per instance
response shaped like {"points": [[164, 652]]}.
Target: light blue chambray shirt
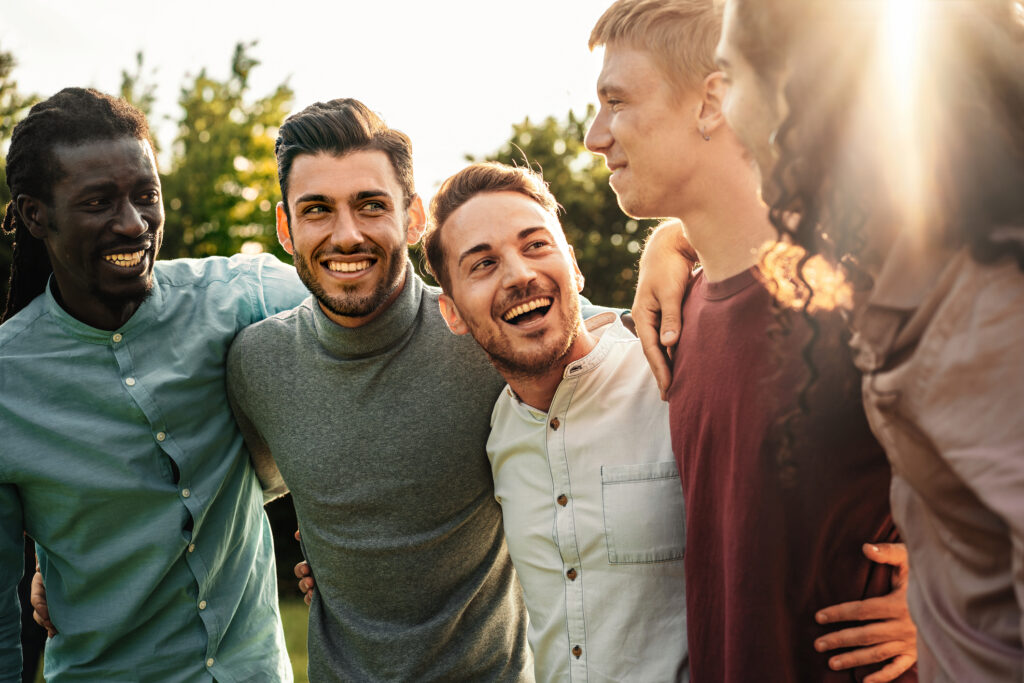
{"points": [[120, 457]]}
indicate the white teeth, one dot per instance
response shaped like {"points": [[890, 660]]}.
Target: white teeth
{"points": [[526, 308], [344, 267], [125, 260]]}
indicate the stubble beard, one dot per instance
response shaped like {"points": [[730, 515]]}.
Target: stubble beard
{"points": [[353, 305], [529, 364]]}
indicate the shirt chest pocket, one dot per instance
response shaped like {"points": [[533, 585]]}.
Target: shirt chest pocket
{"points": [[644, 519]]}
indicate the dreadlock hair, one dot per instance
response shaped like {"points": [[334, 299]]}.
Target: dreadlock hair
{"points": [[71, 117]]}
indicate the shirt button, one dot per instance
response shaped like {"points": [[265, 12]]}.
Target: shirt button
{"points": [[562, 500], [191, 547], [160, 436], [209, 662], [577, 651], [117, 338], [555, 423], [202, 604], [571, 574], [185, 493], [130, 381]]}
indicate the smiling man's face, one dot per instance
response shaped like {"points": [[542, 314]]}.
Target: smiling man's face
{"points": [[514, 282], [102, 228], [348, 230]]}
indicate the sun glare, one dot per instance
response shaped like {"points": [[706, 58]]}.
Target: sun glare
{"points": [[904, 127]]}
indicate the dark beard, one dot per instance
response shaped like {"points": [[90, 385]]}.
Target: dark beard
{"points": [[352, 306]]}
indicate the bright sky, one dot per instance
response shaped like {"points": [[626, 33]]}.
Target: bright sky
{"points": [[453, 74]]}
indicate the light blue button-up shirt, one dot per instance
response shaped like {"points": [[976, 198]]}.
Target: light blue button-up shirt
{"points": [[120, 457]]}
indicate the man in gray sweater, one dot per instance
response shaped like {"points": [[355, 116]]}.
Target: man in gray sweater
{"points": [[376, 419]]}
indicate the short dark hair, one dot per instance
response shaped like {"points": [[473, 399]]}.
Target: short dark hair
{"points": [[476, 179], [339, 127], [71, 117]]}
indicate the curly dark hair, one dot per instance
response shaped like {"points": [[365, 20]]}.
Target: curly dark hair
{"points": [[71, 117], [825, 184]]}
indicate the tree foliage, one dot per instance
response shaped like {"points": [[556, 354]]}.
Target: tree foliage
{"points": [[606, 241], [221, 190], [13, 105]]}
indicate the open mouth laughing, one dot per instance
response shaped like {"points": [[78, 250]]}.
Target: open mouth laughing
{"points": [[126, 259], [528, 311]]}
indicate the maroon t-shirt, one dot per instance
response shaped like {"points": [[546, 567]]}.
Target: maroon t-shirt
{"points": [[776, 509]]}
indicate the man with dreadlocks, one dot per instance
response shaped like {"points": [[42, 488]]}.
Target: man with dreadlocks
{"points": [[778, 502], [120, 457]]}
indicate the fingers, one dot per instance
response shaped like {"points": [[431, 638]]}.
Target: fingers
{"points": [[302, 570], [871, 655], [298, 535], [306, 582], [656, 358], [891, 606], [893, 669], [880, 632], [40, 610], [886, 553]]}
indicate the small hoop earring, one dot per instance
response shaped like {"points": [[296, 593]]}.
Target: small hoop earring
{"points": [[704, 134]]}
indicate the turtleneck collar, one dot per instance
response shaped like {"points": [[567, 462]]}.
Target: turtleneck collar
{"points": [[380, 334]]}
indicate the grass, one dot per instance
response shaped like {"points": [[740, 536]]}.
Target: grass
{"points": [[294, 615]]}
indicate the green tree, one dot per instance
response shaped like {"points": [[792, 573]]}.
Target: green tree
{"points": [[222, 187], [140, 90], [13, 105], [606, 241]]}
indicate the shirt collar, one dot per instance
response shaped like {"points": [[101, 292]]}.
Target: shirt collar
{"points": [[379, 334], [909, 273], [143, 315]]}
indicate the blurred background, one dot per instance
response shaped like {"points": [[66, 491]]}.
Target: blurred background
{"points": [[466, 82]]}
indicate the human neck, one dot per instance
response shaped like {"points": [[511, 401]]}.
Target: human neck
{"points": [[538, 390], [106, 315], [730, 227]]}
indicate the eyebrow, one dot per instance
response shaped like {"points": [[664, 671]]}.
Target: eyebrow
{"points": [[314, 198], [485, 246], [721, 62]]}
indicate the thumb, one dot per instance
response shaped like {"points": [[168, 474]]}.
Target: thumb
{"points": [[886, 553], [670, 325]]}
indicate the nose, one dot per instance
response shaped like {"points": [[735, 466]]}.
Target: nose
{"points": [[599, 137], [346, 233], [130, 221], [517, 272]]}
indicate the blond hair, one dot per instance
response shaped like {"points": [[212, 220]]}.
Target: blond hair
{"points": [[681, 35]]}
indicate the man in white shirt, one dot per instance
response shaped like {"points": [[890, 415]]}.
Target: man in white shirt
{"points": [[579, 447]]}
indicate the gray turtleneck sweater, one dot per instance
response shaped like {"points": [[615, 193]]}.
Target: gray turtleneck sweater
{"points": [[380, 432]]}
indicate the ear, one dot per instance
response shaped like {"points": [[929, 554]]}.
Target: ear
{"points": [[417, 220], [451, 315], [284, 236], [713, 91], [34, 213], [580, 280]]}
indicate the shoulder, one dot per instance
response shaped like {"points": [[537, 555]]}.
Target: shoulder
{"points": [[18, 329], [218, 269], [270, 333]]}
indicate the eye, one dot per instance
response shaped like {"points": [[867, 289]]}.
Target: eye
{"points": [[95, 203], [149, 197], [313, 209], [375, 207], [482, 264]]}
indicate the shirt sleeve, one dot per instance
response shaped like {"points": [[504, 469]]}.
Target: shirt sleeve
{"points": [[276, 285], [260, 456], [12, 565]]}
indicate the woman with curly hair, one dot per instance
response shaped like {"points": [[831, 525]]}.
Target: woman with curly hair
{"points": [[893, 145]]}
